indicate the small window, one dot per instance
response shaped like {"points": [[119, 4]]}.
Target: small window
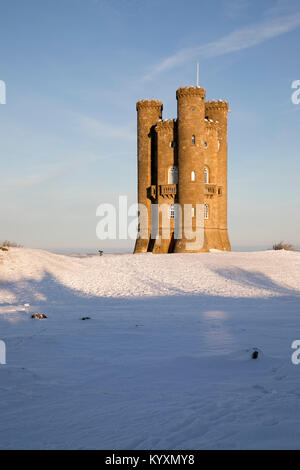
{"points": [[193, 140], [219, 145], [173, 175], [206, 211], [193, 211], [206, 176], [193, 176], [172, 144], [172, 211], [205, 144]]}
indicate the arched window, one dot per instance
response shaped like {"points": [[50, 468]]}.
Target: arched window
{"points": [[193, 140], [173, 175], [193, 176], [172, 211], [206, 211], [206, 175]]}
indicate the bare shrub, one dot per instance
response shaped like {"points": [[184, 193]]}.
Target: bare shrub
{"points": [[283, 246], [9, 244]]}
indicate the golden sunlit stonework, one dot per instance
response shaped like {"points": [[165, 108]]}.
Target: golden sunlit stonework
{"points": [[184, 161]]}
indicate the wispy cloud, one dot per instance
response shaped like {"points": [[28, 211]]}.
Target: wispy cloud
{"points": [[240, 39], [97, 128], [43, 174]]}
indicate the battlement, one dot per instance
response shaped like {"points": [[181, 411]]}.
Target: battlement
{"points": [[210, 123], [146, 104], [165, 126], [191, 91], [220, 104]]}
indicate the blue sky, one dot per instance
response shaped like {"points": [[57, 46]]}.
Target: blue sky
{"points": [[74, 70]]}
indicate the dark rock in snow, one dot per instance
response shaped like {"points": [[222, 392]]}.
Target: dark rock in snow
{"points": [[40, 316], [255, 354]]}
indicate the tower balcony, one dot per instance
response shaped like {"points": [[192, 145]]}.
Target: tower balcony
{"points": [[210, 189], [168, 190], [151, 192]]}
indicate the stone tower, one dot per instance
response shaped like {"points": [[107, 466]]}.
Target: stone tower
{"points": [[182, 175]]}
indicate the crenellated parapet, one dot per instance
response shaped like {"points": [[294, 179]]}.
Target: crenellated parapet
{"points": [[216, 105], [146, 104], [191, 91], [165, 127], [218, 111]]}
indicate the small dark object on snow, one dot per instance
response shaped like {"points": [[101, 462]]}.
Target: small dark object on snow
{"points": [[86, 318], [100, 252], [40, 316], [255, 354]]}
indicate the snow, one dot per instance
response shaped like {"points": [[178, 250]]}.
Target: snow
{"points": [[165, 360]]}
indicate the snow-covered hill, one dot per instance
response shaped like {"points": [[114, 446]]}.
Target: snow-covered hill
{"points": [[164, 361], [217, 274]]}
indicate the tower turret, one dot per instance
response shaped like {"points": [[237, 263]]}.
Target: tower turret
{"points": [[167, 171], [190, 125], [148, 113], [218, 111]]}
